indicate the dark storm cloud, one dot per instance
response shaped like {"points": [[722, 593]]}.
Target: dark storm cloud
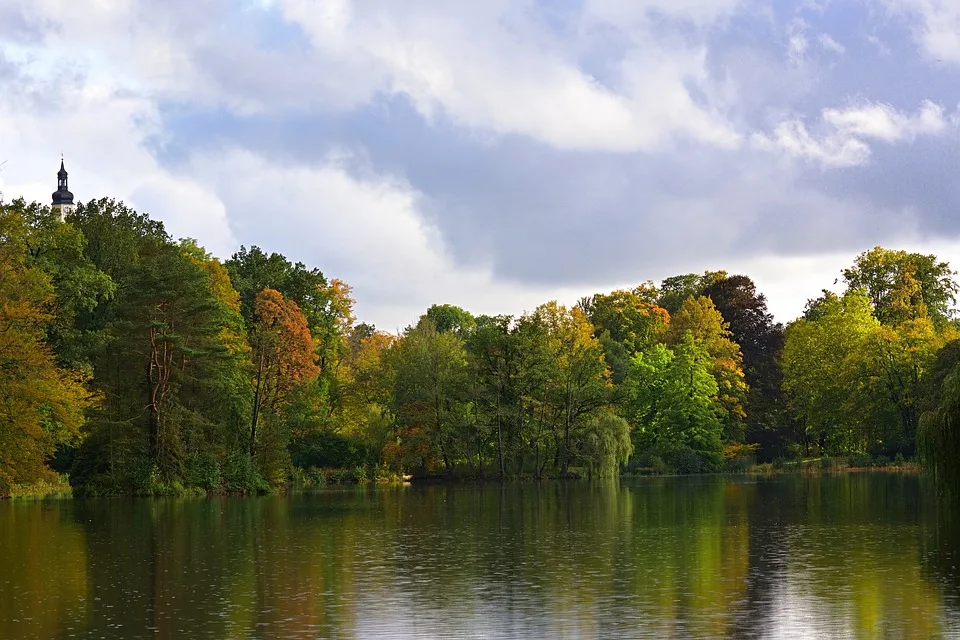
{"points": [[546, 217]]}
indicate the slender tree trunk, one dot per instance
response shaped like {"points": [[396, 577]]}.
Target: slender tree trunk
{"points": [[446, 459], [476, 420], [557, 446], [540, 467], [536, 457], [441, 437], [500, 435], [153, 381], [153, 428], [523, 447], [566, 432], [256, 405]]}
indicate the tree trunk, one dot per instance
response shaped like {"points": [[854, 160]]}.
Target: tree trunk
{"points": [[441, 437], [500, 436], [520, 438], [540, 467], [476, 420], [256, 406], [153, 381], [566, 434]]}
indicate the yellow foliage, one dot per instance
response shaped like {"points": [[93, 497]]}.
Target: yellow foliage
{"points": [[365, 384], [40, 403], [700, 318], [738, 450]]}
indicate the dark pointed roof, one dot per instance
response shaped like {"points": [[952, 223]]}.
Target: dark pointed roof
{"points": [[62, 195]]}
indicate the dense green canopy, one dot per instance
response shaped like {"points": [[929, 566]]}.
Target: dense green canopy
{"points": [[138, 363]]}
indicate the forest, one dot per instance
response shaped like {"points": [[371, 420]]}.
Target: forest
{"points": [[135, 364]]}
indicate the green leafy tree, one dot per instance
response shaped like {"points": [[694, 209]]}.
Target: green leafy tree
{"points": [[510, 365], [327, 306], [168, 361], [41, 403], [430, 399], [222, 385], [761, 342], [115, 236], [626, 322], [448, 317], [675, 290], [904, 286], [889, 377], [530, 393], [493, 360], [604, 443], [700, 319], [253, 270], [57, 248], [367, 383], [938, 436], [673, 401], [283, 360], [818, 355], [578, 383]]}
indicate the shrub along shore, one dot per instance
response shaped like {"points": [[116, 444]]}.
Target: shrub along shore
{"points": [[320, 478]]}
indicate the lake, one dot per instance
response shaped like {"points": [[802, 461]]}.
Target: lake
{"points": [[859, 556]]}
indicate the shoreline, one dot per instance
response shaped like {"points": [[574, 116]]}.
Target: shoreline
{"points": [[44, 490]]}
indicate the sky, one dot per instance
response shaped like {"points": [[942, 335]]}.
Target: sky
{"points": [[499, 154]]}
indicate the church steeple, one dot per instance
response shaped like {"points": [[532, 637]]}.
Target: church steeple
{"points": [[62, 198]]}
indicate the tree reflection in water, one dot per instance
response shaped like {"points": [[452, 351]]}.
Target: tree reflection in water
{"points": [[857, 556]]}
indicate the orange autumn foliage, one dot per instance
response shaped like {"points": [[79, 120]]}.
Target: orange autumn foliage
{"points": [[283, 355]]}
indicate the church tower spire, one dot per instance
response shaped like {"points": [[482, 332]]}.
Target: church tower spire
{"points": [[62, 198]]}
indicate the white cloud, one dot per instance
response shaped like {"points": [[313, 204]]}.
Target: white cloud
{"points": [[187, 208], [789, 281], [120, 42], [101, 129], [937, 28], [883, 122], [843, 133], [800, 42], [827, 43], [797, 47], [364, 228], [832, 150], [797, 42], [882, 48], [493, 68]]}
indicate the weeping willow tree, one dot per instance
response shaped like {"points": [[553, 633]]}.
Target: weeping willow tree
{"points": [[938, 437], [605, 444]]}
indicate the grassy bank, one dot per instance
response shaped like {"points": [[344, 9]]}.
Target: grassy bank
{"points": [[314, 478], [827, 464], [56, 487], [306, 479], [851, 464]]}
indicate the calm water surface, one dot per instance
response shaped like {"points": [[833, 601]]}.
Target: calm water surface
{"points": [[862, 556]]}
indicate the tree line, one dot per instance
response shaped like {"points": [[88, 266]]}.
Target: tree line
{"points": [[140, 364]]}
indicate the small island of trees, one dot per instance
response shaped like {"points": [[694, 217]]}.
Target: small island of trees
{"points": [[134, 364]]}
